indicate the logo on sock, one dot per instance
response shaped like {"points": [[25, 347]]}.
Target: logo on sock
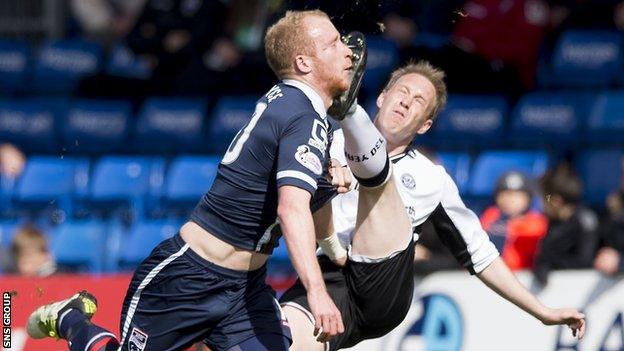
{"points": [[138, 340]]}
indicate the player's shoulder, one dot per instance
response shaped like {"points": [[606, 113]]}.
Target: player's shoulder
{"points": [[285, 102], [417, 161]]}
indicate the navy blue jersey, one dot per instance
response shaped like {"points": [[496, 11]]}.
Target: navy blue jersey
{"points": [[284, 143]]}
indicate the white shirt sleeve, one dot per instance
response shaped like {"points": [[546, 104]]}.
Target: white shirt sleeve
{"points": [[460, 230]]}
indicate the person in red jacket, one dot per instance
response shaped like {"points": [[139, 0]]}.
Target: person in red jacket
{"points": [[514, 227]]}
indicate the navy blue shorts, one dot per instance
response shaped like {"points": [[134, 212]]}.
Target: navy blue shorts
{"points": [[177, 298]]}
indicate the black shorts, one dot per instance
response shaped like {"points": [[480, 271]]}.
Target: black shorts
{"points": [[177, 298], [373, 298]]}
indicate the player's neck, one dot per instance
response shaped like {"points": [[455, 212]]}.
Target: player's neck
{"points": [[394, 150], [317, 87]]}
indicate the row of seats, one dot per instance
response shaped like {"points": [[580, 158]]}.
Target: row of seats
{"points": [[177, 125], [153, 186], [104, 246], [580, 59]]}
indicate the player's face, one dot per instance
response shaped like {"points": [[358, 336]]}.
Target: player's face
{"points": [[404, 109], [333, 58]]}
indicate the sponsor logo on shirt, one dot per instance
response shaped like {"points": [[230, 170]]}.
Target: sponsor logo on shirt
{"points": [[308, 159]]}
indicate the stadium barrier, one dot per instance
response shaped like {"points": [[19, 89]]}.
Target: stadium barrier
{"points": [[451, 311]]}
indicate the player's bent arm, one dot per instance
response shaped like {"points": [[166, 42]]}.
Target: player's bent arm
{"points": [[326, 237], [498, 277], [295, 218]]}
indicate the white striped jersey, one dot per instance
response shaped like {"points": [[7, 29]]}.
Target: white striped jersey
{"points": [[428, 193]]}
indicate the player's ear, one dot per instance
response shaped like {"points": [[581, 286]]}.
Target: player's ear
{"points": [[425, 127], [381, 98], [303, 63]]}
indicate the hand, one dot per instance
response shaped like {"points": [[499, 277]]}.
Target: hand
{"points": [[340, 176], [607, 261], [574, 319], [327, 318], [340, 261]]}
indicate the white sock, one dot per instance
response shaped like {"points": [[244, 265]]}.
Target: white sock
{"points": [[365, 149]]}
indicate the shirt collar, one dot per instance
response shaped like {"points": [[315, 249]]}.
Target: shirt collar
{"points": [[313, 96]]}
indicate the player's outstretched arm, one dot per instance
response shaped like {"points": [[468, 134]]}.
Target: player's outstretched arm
{"points": [[293, 211], [498, 277]]}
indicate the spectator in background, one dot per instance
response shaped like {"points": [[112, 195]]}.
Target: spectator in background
{"points": [[30, 253], [106, 21], [514, 227], [609, 258], [494, 46], [12, 161], [571, 240]]}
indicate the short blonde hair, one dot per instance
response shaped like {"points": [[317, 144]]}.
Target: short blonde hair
{"points": [[433, 74], [288, 38]]}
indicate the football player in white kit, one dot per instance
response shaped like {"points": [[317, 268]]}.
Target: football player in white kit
{"points": [[368, 252]]}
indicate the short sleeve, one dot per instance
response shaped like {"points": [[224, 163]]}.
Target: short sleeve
{"points": [[301, 155]]}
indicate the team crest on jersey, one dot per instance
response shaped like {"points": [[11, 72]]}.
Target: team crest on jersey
{"points": [[137, 341], [308, 159], [408, 181]]}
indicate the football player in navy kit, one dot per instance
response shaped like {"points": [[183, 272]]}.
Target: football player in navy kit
{"points": [[368, 261], [208, 282]]}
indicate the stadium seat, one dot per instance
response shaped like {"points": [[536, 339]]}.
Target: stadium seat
{"points": [[382, 58], [96, 126], [601, 173], [123, 63], [14, 65], [230, 114], [51, 181], [170, 125], [606, 120], [141, 239], [541, 117], [585, 59], [7, 230], [279, 265], [80, 245], [125, 180], [60, 64], [31, 123], [188, 178], [470, 121], [457, 165], [490, 165]]}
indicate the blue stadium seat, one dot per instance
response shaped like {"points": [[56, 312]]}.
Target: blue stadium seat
{"points": [[541, 117], [490, 165], [96, 126], [125, 180], [60, 64], [51, 180], [230, 114], [586, 59], [279, 264], [457, 165], [170, 125], [470, 120], [606, 120], [141, 239], [80, 245], [601, 173], [189, 177], [14, 65], [32, 123], [123, 63], [382, 58], [7, 230]]}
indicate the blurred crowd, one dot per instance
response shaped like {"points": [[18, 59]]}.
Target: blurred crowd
{"points": [[196, 47], [200, 48]]}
